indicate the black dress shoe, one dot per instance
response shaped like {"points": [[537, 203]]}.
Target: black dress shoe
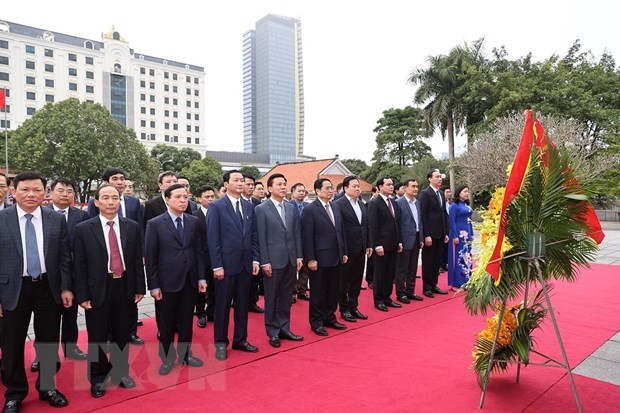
{"points": [[347, 316], [202, 322], [290, 336], [220, 352], [192, 361], [54, 398], [371, 286], [97, 390], [11, 406], [415, 297], [34, 366], [166, 368], [274, 341], [76, 354], [303, 296], [135, 340], [125, 382], [320, 331], [158, 334], [358, 315], [438, 290], [294, 300], [363, 287], [418, 276], [428, 294], [381, 307], [336, 326], [403, 299], [245, 346], [139, 323], [393, 304], [255, 309]]}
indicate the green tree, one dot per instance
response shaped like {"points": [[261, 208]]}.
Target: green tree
{"points": [[399, 137], [206, 171], [170, 158], [356, 166], [380, 169], [250, 171], [77, 141]]}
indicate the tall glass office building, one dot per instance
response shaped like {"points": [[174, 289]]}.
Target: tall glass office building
{"points": [[273, 89]]}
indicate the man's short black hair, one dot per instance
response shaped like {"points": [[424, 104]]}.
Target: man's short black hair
{"points": [[294, 187], [381, 180], [162, 175], [430, 173], [273, 177], [65, 182], [26, 176], [226, 177], [347, 180], [246, 176], [168, 191], [204, 189], [318, 184], [98, 191], [111, 172]]}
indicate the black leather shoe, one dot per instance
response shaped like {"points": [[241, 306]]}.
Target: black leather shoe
{"points": [[139, 323], [220, 352], [358, 315], [403, 299], [363, 287], [245, 346], [274, 341], [11, 406], [255, 309], [75, 353], [320, 331], [125, 382], [371, 286], [393, 304], [34, 366], [294, 300], [54, 398], [381, 307], [347, 316], [303, 296], [438, 290], [192, 361], [415, 297], [135, 340], [166, 368], [97, 390], [336, 326], [428, 294], [202, 322], [158, 334], [290, 336]]}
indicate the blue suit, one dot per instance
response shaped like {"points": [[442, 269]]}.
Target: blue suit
{"points": [[233, 246], [301, 287], [407, 260]]}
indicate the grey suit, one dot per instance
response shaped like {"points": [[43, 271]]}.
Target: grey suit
{"points": [[280, 246], [20, 296]]}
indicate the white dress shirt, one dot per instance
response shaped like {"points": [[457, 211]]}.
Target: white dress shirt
{"points": [[106, 235], [38, 229]]}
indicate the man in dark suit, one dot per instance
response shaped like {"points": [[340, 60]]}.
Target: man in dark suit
{"points": [[234, 253], [109, 278], [359, 246], [279, 238], [35, 278], [411, 229], [298, 194], [435, 223], [384, 218], [183, 180], [176, 274], [131, 208], [4, 190], [205, 303], [325, 250], [249, 184], [157, 205]]}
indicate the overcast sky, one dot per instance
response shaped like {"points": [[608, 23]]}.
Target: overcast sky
{"points": [[357, 55]]}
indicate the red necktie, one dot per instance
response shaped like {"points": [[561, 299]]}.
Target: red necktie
{"points": [[389, 202], [116, 263]]}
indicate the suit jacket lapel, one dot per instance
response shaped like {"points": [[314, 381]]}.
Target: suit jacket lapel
{"points": [[324, 212], [15, 232], [47, 230], [276, 213], [233, 213], [123, 226], [98, 233], [172, 228]]}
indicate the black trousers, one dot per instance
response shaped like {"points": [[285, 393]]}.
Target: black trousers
{"points": [[177, 312], [232, 287], [406, 269], [370, 269], [385, 271], [69, 328], [205, 302], [113, 315], [432, 257], [278, 302], [301, 286], [324, 287], [255, 287], [351, 275], [34, 297]]}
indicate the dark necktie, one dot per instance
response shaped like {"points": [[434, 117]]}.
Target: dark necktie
{"points": [[329, 212], [282, 213], [389, 202], [180, 231], [238, 210], [62, 211], [439, 197], [116, 263], [33, 263], [120, 209], [300, 207]]}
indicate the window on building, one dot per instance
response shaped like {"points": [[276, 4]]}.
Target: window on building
{"points": [[166, 138], [152, 85], [166, 125], [49, 68], [29, 49], [196, 92], [143, 136], [166, 88], [174, 76], [197, 141], [196, 80], [196, 105], [90, 75], [4, 44], [151, 72], [5, 124], [4, 76], [188, 116], [143, 123], [89, 45], [188, 91], [166, 75], [196, 117], [49, 82], [175, 102], [73, 86], [4, 60], [175, 126], [196, 129], [152, 136], [175, 138], [30, 111], [142, 97], [143, 110], [89, 60], [152, 98], [175, 114], [142, 83], [167, 113], [49, 53], [72, 57], [30, 64], [188, 128], [175, 89], [72, 71], [188, 103], [188, 79], [31, 96], [152, 111], [152, 124], [189, 139], [49, 98], [90, 89], [30, 80], [142, 71]]}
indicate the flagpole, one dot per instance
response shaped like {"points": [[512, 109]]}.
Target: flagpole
{"points": [[6, 138]]}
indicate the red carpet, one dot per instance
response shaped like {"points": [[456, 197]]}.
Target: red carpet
{"points": [[410, 359]]}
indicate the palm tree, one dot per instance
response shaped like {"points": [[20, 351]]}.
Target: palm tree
{"points": [[439, 91]]}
